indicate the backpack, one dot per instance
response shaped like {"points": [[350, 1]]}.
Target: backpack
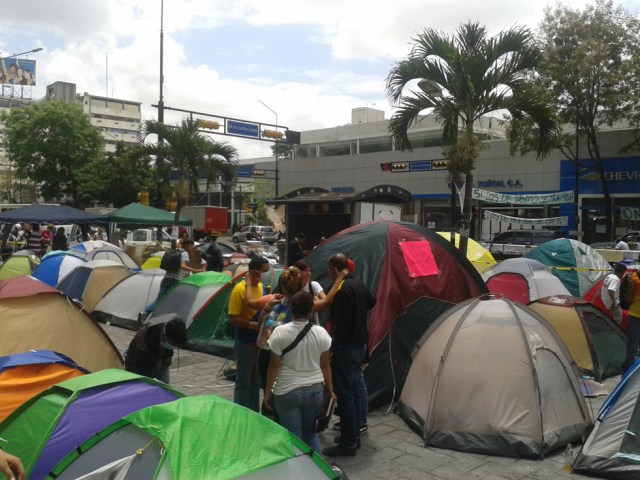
{"points": [[171, 260], [626, 292]]}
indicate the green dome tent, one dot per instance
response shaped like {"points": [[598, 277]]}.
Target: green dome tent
{"points": [[576, 264], [195, 437]]}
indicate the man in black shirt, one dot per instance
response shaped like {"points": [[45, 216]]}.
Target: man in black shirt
{"points": [[349, 312]]}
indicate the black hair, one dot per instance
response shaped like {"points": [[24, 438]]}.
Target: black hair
{"points": [[339, 261], [257, 262], [301, 304], [619, 268], [176, 332]]}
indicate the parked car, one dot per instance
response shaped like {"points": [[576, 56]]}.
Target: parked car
{"points": [[630, 236], [267, 233], [516, 243]]}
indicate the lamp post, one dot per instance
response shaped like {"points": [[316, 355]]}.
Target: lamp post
{"points": [[275, 148], [35, 50], [577, 176]]}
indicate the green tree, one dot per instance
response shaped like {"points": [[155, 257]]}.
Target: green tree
{"points": [[190, 153], [284, 151], [590, 68], [116, 178], [461, 78], [49, 142]]}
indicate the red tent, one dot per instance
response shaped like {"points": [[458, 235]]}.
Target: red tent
{"points": [[415, 275]]}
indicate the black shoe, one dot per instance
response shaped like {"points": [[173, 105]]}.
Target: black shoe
{"points": [[339, 451], [338, 438]]}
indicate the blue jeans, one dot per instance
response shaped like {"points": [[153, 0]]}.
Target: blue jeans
{"points": [[246, 391], [633, 340], [165, 285], [348, 383], [298, 410]]}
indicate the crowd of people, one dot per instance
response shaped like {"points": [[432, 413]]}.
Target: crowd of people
{"points": [[306, 363]]}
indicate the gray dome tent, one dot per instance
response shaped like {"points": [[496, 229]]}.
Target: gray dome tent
{"points": [[492, 377]]}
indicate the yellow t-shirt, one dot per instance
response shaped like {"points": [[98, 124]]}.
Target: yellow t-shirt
{"points": [[238, 300], [634, 310]]}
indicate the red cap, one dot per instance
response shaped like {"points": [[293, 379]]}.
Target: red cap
{"points": [[351, 266]]}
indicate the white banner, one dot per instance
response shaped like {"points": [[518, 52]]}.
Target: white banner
{"points": [[528, 199], [551, 221], [629, 213]]}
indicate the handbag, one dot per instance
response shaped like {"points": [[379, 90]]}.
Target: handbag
{"points": [[322, 422]]}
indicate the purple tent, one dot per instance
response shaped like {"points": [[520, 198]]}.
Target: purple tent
{"points": [[73, 411]]}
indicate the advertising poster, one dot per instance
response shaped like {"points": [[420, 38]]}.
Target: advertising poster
{"points": [[17, 71]]}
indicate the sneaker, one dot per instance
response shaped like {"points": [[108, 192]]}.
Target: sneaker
{"points": [[363, 428], [339, 451], [142, 316]]}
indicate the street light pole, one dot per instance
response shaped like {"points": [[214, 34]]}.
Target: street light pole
{"points": [[275, 148], [577, 177], [161, 99]]}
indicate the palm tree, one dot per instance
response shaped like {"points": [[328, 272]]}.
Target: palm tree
{"points": [[184, 149], [462, 78]]}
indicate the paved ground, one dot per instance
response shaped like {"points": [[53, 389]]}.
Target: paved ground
{"points": [[390, 450]]}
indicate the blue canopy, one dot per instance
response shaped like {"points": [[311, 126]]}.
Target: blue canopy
{"points": [[56, 214]]}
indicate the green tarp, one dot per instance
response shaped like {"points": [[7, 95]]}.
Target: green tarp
{"points": [[136, 215]]}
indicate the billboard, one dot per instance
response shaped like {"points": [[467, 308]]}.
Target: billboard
{"points": [[17, 71]]}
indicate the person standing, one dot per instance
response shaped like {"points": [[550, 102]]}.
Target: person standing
{"points": [[244, 319], [59, 240], [633, 327], [151, 350], [348, 313], [33, 238], [610, 292], [303, 372], [47, 235]]}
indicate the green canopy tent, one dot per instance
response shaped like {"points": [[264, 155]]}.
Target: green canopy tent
{"points": [[137, 215]]}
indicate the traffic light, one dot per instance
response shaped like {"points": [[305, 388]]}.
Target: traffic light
{"points": [[258, 173], [208, 124], [276, 135], [385, 167], [399, 166], [440, 164]]}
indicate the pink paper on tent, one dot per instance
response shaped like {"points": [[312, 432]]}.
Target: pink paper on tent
{"points": [[419, 258]]}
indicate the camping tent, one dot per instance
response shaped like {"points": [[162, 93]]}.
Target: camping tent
{"points": [[523, 280], [88, 282], [594, 297], [612, 449], [595, 342], [201, 300], [577, 265], [23, 262], [99, 250], [25, 375], [492, 377], [415, 274], [55, 266], [122, 303], [57, 214], [195, 437], [71, 412], [35, 316], [479, 256]]}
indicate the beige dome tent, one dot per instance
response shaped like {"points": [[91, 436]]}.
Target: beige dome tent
{"points": [[35, 316], [492, 377]]}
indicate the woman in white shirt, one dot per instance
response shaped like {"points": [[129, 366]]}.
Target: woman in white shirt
{"points": [[303, 373]]}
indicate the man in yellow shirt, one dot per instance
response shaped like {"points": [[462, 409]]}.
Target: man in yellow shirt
{"points": [[244, 319], [633, 328]]}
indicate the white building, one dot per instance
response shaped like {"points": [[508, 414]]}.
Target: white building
{"points": [[358, 156], [118, 120]]}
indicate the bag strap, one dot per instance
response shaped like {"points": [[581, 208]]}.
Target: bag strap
{"points": [[297, 340]]}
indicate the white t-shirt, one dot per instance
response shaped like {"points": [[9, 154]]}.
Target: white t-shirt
{"points": [[611, 282], [316, 288], [300, 367], [622, 245]]}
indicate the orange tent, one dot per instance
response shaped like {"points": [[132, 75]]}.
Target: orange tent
{"points": [[25, 375]]}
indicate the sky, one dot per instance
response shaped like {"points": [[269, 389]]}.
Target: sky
{"points": [[308, 62]]}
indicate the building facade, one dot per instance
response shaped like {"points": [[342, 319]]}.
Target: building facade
{"points": [[118, 120], [361, 155]]}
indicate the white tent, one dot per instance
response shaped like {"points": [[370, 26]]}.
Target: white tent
{"points": [[492, 377]]}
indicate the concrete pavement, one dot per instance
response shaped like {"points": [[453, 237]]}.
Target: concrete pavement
{"points": [[390, 450]]}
